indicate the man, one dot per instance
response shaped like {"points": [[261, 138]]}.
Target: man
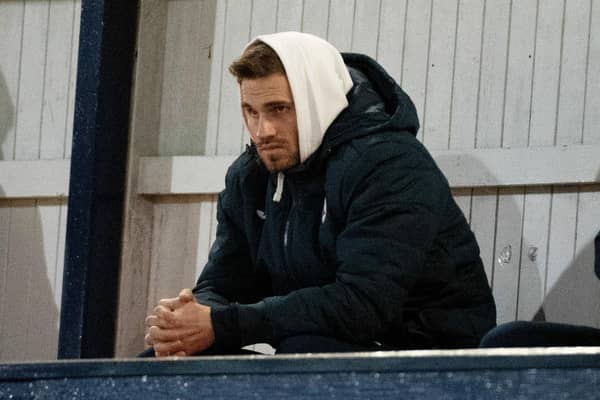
{"points": [[336, 230]]}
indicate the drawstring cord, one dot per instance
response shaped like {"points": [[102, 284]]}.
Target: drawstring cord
{"points": [[279, 188]]}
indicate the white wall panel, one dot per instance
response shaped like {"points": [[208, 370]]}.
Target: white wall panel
{"points": [[416, 51], [38, 56], [366, 27], [289, 15], [230, 133], [341, 21], [436, 124], [392, 26], [467, 66], [517, 104], [534, 252], [546, 72], [315, 17], [493, 73], [574, 49], [591, 121]]}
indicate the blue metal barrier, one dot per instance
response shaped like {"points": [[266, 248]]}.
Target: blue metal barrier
{"points": [[567, 373]]}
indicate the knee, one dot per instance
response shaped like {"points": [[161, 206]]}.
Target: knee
{"points": [[510, 334]]}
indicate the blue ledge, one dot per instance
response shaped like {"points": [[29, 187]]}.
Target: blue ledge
{"points": [[465, 374]]}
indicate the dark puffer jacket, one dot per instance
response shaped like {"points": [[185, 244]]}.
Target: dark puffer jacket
{"points": [[366, 244]]}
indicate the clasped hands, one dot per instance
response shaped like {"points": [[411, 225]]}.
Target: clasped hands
{"points": [[179, 326]]}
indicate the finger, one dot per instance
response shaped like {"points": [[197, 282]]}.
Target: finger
{"points": [[148, 340], [168, 348], [165, 317], [169, 335], [180, 354], [186, 295], [151, 320], [171, 303]]}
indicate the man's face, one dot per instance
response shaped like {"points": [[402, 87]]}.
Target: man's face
{"points": [[270, 116]]}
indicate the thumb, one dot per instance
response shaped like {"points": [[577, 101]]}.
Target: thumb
{"points": [[186, 296]]}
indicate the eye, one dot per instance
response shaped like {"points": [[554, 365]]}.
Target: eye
{"points": [[250, 112], [279, 109]]}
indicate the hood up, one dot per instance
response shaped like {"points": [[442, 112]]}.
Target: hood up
{"points": [[319, 81]]}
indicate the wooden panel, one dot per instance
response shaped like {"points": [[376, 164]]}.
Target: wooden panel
{"points": [[561, 248], [57, 75], [366, 26], [175, 241], [31, 80], [534, 252], [463, 168], [11, 27], [591, 122], [571, 97], [34, 179], [507, 254], [416, 50], [43, 291], [289, 15], [584, 289], [467, 63], [230, 132], [217, 71], [185, 76], [483, 223], [518, 74], [392, 25], [5, 214], [72, 78], [493, 73], [341, 20], [25, 275], [315, 16], [546, 73], [207, 222], [436, 122], [264, 18]]}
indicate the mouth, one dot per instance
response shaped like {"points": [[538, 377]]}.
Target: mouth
{"points": [[269, 147]]}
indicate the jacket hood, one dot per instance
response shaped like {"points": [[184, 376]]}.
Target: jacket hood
{"points": [[319, 81], [376, 103]]}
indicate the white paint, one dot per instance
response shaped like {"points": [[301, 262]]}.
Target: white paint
{"points": [[463, 168], [34, 179]]}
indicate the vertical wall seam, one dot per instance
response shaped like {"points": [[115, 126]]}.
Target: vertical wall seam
{"points": [[519, 270], [453, 79], [560, 64], [378, 29], [216, 149], [587, 68], [533, 64], [44, 80], [478, 105], [494, 247], [5, 274], [548, 241], [506, 65], [427, 69], [16, 111], [404, 41], [353, 25], [69, 88]]}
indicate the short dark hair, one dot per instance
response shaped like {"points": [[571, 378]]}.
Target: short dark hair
{"points": [[257, 61]]}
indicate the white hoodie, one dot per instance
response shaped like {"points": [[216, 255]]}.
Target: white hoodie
{"points": [[319, 81]]}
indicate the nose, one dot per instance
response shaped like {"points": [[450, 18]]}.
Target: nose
{"points": [[266, 128]]}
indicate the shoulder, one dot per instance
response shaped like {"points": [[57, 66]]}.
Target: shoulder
{"points": [[399, 151], [393, 164]]}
